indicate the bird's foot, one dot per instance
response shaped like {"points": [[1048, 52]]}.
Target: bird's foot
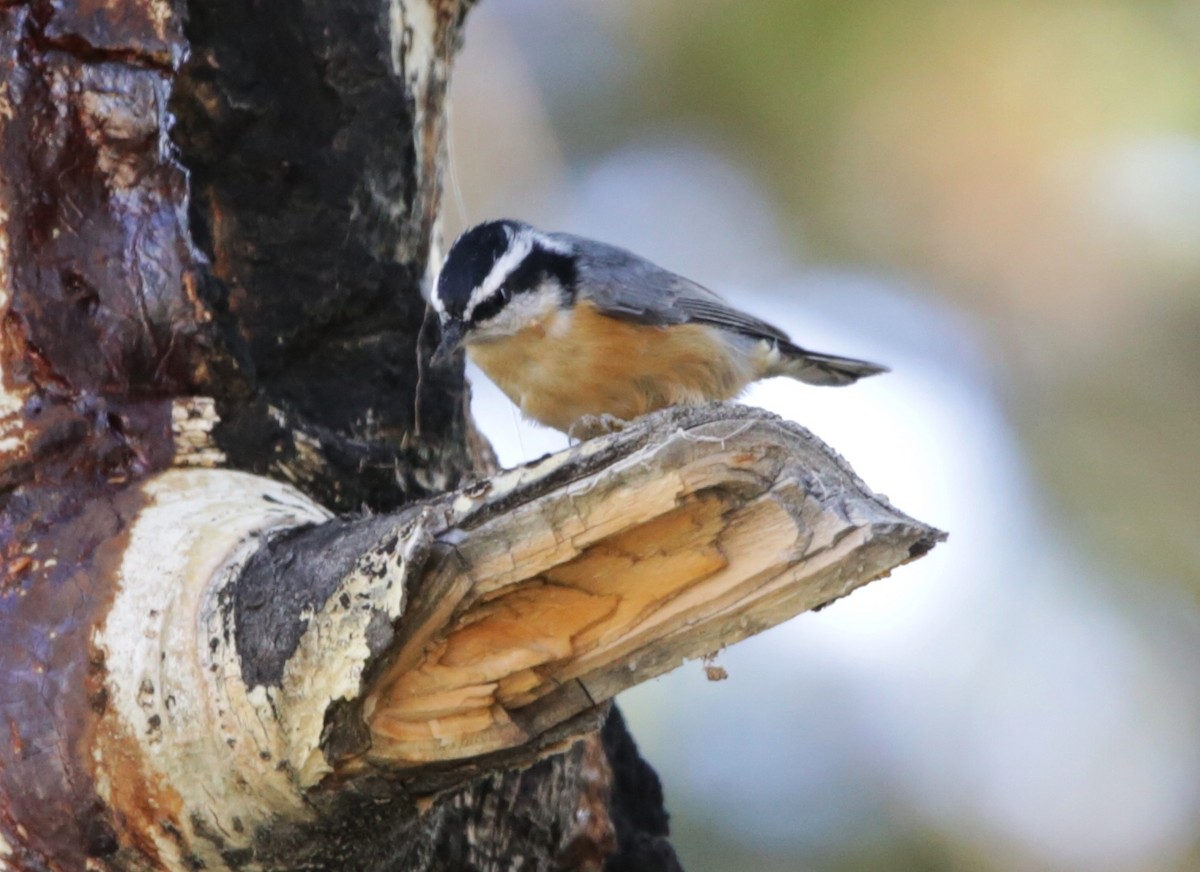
{"points": [[590, 426]]}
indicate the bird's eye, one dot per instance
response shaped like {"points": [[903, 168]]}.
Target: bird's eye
{"points": [[490, 307]]}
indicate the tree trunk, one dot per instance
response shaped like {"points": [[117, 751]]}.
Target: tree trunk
{"points": [[241, 628]]}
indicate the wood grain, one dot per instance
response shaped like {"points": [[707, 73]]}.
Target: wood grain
{"points": [[601, 567]]}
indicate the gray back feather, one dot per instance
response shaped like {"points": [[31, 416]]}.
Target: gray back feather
{"points": [[623, 285]]}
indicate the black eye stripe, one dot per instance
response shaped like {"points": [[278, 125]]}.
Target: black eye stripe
{"points": [[491, 306]]}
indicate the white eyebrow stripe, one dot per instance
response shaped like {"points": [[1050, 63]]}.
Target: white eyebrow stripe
{"points": [[519, 246], [550, 243], [435, 300]]}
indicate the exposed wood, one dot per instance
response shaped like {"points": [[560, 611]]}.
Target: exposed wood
{"points": [[193, 420], [574, 578]]}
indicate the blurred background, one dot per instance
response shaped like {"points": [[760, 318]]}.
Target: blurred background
{"points": [[1001, 201]]}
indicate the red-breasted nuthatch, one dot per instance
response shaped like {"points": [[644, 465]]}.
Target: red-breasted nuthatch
{"points": [[575, 330]]}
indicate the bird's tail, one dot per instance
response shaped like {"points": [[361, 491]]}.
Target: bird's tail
{"points": [[821, 369]]}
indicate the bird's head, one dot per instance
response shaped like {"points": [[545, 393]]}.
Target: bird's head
{"points": [[499, 278]]}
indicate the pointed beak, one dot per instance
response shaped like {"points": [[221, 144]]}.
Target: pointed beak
{"points": [[452, 335]]}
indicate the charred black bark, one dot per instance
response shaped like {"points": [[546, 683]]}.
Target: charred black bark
{"points": [[638, 811], [292, 575], [552, 815], [301, 138]]}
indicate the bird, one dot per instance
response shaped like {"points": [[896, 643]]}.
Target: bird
{"points": [[582, 335]]}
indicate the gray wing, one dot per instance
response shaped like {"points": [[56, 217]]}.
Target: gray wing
{"points": [[624, 285]]}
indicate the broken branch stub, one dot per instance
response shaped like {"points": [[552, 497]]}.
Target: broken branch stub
{"points": [[561, 583], [478, 629], [536, 595]]}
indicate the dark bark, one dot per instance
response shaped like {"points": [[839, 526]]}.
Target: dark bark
{"points": [[316, 211], [638, 811], [97, 335], [290, 576], [551, 815]]}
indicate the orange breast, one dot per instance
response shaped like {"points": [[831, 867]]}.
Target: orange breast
{"points": [[589, 364]]}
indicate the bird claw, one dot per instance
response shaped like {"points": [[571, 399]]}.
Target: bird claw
{"points": [[590, 426]]}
